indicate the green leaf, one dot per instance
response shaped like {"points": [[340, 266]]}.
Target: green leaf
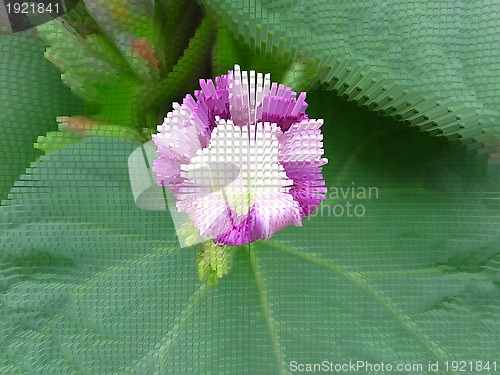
{"points": [[430, 64], [91, 284], [31, 97], [52, 141], [86, 63], [76, 241]]}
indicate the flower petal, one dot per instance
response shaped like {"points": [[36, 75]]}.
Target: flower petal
{"points": [[301, 156]]}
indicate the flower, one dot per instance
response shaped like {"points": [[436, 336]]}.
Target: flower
{"points": [[243, 159]]}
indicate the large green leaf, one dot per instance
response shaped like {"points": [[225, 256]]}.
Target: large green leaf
{"points": [[91, 284], [432, 64]]}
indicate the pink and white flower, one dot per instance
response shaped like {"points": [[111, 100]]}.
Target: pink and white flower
{"points": [[242, 158]]}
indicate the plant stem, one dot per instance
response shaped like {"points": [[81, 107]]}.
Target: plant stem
{"points": [[148, 98]]}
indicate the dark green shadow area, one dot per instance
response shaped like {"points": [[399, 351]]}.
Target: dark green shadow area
{"points": [[366, 147]]}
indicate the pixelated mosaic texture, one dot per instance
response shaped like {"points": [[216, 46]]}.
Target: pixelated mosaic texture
{"points": [[92, 284]]}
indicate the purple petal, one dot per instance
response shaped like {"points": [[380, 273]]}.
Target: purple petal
{"points": [[270, 214], [301, 156], [282, 108]]}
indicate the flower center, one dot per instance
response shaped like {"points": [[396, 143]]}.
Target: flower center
{"points": [[239, 165]]}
